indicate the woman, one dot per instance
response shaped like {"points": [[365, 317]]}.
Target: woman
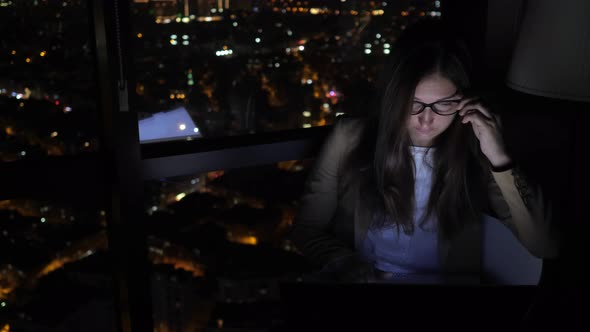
{"points": [[405, 190]]}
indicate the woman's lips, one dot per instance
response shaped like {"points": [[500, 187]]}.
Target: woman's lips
{"points": [[424, 130]]}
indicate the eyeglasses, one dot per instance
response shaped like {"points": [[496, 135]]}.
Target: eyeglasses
{"points": [[442, 107]]}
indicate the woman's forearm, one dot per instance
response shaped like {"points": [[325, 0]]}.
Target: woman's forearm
{"points": [[528, 213]]}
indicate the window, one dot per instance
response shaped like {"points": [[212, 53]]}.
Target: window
{"points": [[218, 248], [208, 69], [222, 68], [48, 85], [55, 270]]}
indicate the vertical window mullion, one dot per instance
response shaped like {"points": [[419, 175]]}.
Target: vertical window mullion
{"points": [[121, 152]]}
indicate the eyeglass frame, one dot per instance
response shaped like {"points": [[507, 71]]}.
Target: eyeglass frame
{"points": [[433, 107]]}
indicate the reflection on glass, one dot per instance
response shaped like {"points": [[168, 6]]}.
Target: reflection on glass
{"points": [[54, 268], [247, 66], [218, 247], [168, 125], [47, 86]]}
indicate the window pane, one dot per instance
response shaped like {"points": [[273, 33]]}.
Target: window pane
{"points": [[217, 68], [47, 87], [54, 269], [218, 247]]}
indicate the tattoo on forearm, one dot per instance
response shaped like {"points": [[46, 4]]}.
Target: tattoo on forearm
{"points": [[522, 185]]}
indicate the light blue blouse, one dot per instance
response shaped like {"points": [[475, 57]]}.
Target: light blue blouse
{"points": [[408, 254]]}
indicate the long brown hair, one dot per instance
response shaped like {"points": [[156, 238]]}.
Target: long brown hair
{"points": [[383, 160]]}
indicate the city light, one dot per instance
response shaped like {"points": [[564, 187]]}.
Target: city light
{"points": [[368, 45], [86, 144], [180, 196], [185, 37], [54, 134], [224, 52], [43, 53], [250, 240], [306, 125], [28, 60], [306, 114], [196, 130], [367, 51], [235, 24], [43, 220], [186, 19], [173, 42], [386, 51], [140, 35], [257, 40], [386, 45], [301, 47], [182, 126], [67, 109], [186, 42]]}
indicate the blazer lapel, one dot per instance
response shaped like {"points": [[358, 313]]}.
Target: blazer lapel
{"points": [[362, 215]]}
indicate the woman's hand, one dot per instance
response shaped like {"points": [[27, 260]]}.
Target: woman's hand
{"points": [[487, 128]]}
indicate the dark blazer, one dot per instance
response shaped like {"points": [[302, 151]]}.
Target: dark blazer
{"points": [[332, 221]]}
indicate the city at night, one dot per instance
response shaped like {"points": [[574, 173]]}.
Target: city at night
{"points": [[163, 162]]}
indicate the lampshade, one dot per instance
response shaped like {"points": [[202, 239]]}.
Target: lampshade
{"points": [[551, 56]]}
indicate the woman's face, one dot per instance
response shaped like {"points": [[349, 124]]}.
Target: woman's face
{"points": [[427, 125]]}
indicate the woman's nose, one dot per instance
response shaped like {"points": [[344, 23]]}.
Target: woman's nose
{"points": [[427, 116]]}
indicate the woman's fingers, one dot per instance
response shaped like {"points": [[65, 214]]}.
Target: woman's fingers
{"points": [[474, 103], [478, 119]]}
